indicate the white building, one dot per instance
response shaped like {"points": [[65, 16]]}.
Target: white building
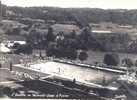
{"points": [[4, 49]]}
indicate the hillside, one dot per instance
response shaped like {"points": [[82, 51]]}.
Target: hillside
{"points": [[119, 16]]}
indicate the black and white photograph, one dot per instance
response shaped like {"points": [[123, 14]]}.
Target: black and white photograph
{"points": [[68, 49]]}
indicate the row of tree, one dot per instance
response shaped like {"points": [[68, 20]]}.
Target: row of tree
{"points": [[67, 46], [110, 59], [60, 45], [83, 41], [65, 51]]}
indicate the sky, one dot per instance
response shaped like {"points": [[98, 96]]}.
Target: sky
{"points": [[105, 4]]}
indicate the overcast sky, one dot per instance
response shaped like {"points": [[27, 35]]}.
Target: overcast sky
{"points": [[105, 4]]}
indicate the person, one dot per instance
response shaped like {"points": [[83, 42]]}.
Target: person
{"points": [[104, 80], [0, 65], [136, 74], [74, 80], [37, 77], [59, 70], [10, 66], [73, 83]]}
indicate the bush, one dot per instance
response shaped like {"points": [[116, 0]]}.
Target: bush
{"points": [[25, 49], [136, 63], [83, 55], [127, 62], [111, 59]]}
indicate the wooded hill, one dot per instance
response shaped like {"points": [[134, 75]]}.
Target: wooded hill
{"points": [[119, 16]]}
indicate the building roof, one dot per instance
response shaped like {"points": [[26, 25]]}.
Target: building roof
{"points": [[101, 31]]}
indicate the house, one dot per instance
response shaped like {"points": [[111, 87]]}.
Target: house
{"points": [[4, 49], [10, 40]]}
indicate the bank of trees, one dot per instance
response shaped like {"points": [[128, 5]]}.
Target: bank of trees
{"points": [[61, 45], [64, 45]]}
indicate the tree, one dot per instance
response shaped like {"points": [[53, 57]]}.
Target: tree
{"points": [[33, 38], [84, 39], [51, 49], [14, 31], [136, 63], [127, 62], [26, 49], [72, 34], [71, 53], [111, 59], [50, 35], [83, 55], [7, 91], [16, 46], [0, 65], [11, 65]]}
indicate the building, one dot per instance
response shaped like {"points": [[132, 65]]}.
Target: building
{"points": [[4, 49]]}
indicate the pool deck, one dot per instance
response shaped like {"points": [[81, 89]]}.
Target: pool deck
{"points": [[92, 66], [34, 72]]}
